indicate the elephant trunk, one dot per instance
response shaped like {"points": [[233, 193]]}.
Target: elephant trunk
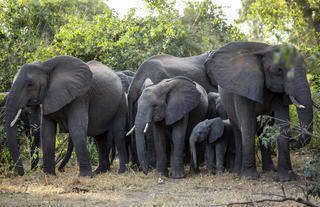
{"points": [[141, 121], [11, 111], [302, 95], [193, 151]]}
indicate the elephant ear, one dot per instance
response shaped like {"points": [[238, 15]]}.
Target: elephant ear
{"points": [[69, 78], [217, 129], [148, 82], [237, 68], [182, 98]]}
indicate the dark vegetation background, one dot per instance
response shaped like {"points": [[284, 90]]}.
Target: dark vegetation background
{"points": [[88, 29]]}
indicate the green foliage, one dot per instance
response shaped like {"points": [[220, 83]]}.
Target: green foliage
{"points": [[283, 21], [40, 29], [269, 134]]}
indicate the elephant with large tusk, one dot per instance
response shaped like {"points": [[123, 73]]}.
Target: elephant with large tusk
{"points": [[253, 82]]}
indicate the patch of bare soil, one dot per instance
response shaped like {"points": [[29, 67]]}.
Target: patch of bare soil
{"points": [[137, 189]]}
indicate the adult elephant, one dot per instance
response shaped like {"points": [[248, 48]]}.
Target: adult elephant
{"points": [[164, 66], [256, 78], [174, 106], [84, 99], [30, 118], [126, 77]]}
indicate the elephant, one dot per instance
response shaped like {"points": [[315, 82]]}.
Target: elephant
{"points": [[218, 136], [30, 117], [163, 66], [256, 78], [173, 106], [85, 99], [126, 79], [215, 108]]}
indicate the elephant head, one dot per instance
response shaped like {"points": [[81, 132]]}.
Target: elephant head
{"points": [[168, 101], [249, 68], [53, 84], [208, 130], [215, 107]]}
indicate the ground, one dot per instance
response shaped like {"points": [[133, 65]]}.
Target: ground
{"points": [[136, 189]]}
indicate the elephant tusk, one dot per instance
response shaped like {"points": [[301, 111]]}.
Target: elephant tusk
{"points": [[296, 103], [146, 128], [16, 118], [131, 130]]}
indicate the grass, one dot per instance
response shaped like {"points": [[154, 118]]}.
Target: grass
{"points": [[137, 189]]}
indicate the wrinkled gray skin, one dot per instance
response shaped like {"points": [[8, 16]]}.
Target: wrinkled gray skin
{"points": [[174, 106], [218, 135], [216, 109], [252, 82], [159, 67], [30, 117], [126, 78], [73, 94]]}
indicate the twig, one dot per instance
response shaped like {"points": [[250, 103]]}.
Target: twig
{"points": [[303, 129], [283, 199], [298, 200]]}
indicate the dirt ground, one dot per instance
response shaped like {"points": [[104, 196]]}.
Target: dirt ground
{"points": [[137, 189]]}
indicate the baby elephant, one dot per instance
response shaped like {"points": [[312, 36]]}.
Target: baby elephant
{"points": [[218, 135]]}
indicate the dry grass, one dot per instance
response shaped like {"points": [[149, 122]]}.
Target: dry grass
{"points": [[136, 189]]}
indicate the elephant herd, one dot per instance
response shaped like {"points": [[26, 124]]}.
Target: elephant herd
{"points": [[172, 111]]}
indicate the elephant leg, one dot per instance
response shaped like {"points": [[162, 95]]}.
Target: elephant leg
{"points": [[220, 149], [78, 125], [48, 136], [238, 149], [267, 163], [247, 120], [101, 143], [35, 144], [151, 148], [285, 172], [111, 148], [119, 134], [160, 142], [67, 155], [210, 155], [178, 140]]}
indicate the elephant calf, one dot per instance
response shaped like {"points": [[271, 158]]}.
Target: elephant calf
{"points": [[218, 135]]}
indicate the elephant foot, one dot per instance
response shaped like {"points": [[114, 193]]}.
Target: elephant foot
{"points": [[85, 173], [163, 172], [236, 170], [20, 170], [122, 170], [269, 168], [100, 170], [194, 170], [177, 173], [49, 171], [250, 174], [284, 176], [219, 171], [209, 171]]}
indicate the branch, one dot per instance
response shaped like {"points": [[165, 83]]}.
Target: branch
{"points": [[303, 129], [298, 200], [282, 198]]}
